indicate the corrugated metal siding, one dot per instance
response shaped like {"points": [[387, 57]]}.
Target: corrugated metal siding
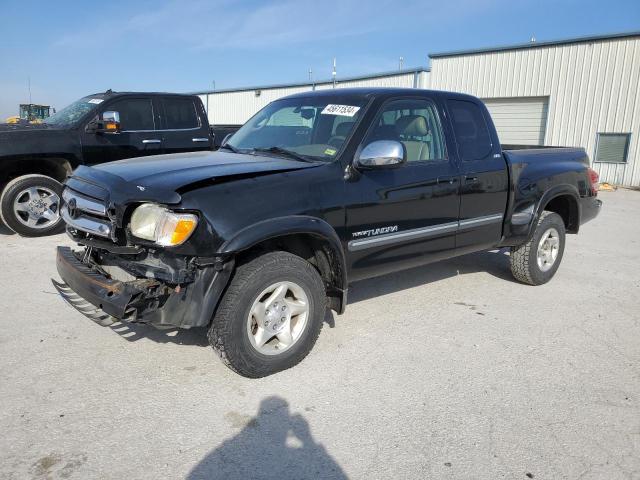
{"points": [[592, 87], [237, 107], [519, 120], [396, 81]]}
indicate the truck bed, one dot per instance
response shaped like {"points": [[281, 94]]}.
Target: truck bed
{"points": [[515, 146]]}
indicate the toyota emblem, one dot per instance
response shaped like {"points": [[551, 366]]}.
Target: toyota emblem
{"points": [[72, 208]]}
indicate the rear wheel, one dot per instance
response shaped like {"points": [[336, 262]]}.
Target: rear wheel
{"points": [[30, 206], [537, 261], [270, 316]]}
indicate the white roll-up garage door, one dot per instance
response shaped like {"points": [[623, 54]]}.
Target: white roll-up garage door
{"points": [[520, 121]]}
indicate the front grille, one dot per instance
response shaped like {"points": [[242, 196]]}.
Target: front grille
{"points": [[86, 214]]}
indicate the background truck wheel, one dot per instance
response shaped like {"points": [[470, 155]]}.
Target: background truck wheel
{"points": [[30, 206], [537, 261], [270, 316]]}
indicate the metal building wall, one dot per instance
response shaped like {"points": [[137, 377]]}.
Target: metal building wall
{"points": [[592, 87], [237, 106]]}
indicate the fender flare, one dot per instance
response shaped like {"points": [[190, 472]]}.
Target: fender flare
{"points": [[292, 225], [554, 192]]}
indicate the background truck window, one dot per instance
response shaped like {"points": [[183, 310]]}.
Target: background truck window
{"points": [[135, 113], [180, 114]]}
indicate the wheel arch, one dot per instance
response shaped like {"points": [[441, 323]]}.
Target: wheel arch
{"points": [[308, 237], [562, 200], [52, 166]]}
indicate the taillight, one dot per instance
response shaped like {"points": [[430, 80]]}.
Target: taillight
{"points": [[594, 178]]}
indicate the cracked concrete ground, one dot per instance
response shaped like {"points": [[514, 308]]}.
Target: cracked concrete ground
{"points": [[448, 371]]}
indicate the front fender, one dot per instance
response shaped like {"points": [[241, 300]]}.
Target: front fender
{"points": [[295, 225], [279, 226]]}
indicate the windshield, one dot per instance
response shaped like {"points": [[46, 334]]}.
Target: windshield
{"points": [[73, 112], [312, 128]]}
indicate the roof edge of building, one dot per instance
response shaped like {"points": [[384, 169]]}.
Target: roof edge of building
{"points": [[391, 73], [522, 46]]}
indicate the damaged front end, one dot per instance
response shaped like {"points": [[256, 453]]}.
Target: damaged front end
{"points": [[95, 283], [113, 278]]}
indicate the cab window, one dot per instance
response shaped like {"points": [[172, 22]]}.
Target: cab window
{"points": [[416, 124], [471, 130], [135, 113], [180, 113]]}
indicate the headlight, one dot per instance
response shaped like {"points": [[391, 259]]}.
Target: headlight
{"points": [[162, 226]]}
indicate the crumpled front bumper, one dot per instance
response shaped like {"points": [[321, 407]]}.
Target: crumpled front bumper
{"points": [[111, 296], [142, 300]]}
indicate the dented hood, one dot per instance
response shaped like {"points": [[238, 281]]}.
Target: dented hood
{"points": [[178, 171], [163, 178]]}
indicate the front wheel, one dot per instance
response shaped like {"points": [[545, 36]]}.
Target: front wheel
{"points": [[270, 316], [30, 206], [537, 261]]}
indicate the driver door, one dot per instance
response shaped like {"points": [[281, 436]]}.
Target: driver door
{"points": [[408, 215], [138, 134]]}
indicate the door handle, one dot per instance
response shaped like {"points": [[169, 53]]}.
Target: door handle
{"points": [[470, 179], [449, 180], [151, 140], [202, 139]]}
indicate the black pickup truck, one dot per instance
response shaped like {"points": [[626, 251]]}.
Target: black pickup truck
{"points": [[316, 191], [35, 159]]}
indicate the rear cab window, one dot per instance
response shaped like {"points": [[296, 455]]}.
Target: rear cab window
{"points": [[471, 130], [180, 113]]}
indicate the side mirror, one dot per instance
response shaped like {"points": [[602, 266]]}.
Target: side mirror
{"points": [[110, 122], [381, 154]]}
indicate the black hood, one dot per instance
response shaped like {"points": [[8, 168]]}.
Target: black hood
{"points": [[164, 178], [178, 171]]}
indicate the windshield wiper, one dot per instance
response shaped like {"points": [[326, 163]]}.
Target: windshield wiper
{"points": [[230, 147], [284, 152]]}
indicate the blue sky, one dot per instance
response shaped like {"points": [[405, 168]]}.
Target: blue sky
{"points": [[70, 49]]}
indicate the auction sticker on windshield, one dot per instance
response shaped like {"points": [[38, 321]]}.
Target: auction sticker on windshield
{"points": [[343, 110], [97, 101]]}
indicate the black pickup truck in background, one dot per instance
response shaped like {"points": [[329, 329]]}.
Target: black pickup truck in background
{"points": [[35, 159], [316, 191]]}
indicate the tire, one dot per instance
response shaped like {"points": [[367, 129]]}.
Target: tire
{"points": [[43, 217], [231, 332], [525, 264]]}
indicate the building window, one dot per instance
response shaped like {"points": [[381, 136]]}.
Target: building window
{"points": [[612, 147]]}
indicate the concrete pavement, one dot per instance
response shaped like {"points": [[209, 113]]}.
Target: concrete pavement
{"points": [[453, 371]]}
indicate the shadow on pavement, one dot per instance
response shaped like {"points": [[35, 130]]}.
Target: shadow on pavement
{"points": [[494, 262], [133, 332], [272, 445]]}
